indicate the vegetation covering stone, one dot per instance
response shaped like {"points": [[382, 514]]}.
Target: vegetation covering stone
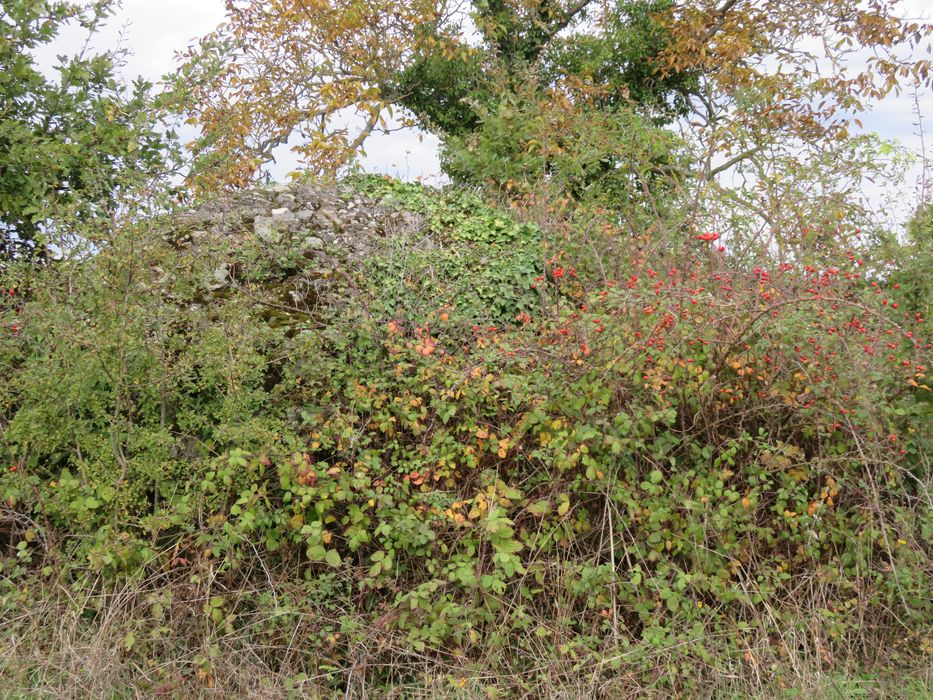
{"points": [[380, 458], [638, 406]]}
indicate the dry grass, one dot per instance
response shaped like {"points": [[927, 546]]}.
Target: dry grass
{"points": [[108, 644]]}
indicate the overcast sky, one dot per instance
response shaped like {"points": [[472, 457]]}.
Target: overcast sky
{"points": [[155, 29]]}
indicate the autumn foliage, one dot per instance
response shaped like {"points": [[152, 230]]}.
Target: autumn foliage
{"points": [[323, 76], [594, 420], [685, 464]]}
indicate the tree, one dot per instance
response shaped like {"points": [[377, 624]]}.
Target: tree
{"points": [[294, 70], [297, 68], [610, 52], [779, 75], [70, 144]]}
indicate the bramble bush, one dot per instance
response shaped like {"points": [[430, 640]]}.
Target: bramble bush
{"points": [[666, 477]]}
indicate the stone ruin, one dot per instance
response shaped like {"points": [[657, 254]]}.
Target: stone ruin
{"points": [[302, 242]]}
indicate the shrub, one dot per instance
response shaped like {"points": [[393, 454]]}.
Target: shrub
{"points": [[686, 473]]}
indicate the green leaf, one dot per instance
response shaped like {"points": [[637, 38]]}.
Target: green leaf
{"points": [[332, 558], [564, 505]]}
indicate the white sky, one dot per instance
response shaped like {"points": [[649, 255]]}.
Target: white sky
{"points": [[156, 29]]}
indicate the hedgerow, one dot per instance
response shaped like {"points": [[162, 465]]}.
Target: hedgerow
{"points": [[513, 472]]}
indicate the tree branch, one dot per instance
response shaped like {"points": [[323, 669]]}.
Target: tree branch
{"points": [[566, 18], [738, 158], [367, 130], [721, 12]]}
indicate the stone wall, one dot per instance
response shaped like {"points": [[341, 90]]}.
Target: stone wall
{"points": [[301, 241]]}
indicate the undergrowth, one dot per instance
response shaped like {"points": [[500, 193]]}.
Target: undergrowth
{"points": [[511, 465]]}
